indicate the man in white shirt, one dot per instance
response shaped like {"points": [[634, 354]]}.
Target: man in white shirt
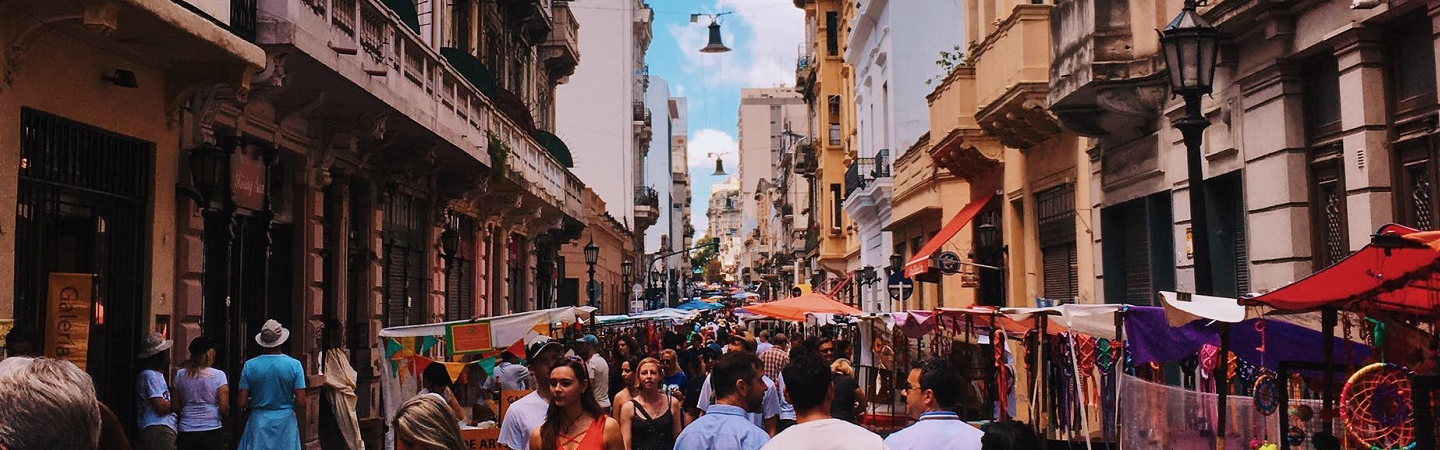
{"points": [[599, 369], [768, 418], [808, 387], [529, 412], [932, 391], [764, 344]]}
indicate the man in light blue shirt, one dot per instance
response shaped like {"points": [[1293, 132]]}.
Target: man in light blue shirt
{"points": [[740, 389], [932, 391], [512, 376]]}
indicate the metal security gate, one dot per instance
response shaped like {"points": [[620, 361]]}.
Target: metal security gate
{"points": [[406, 241], [83, 194]]}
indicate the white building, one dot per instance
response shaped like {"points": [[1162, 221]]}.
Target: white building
{"points": [[724, 221], [766, 114], [658, 175], [601, 112], [891, 83], [681, 232]]}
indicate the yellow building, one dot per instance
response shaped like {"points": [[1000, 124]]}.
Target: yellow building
{"points": [[990, 128], [823, 79]]}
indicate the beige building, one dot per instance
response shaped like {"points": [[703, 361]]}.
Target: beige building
{"points": [[1320, 133], [989, 127], [825, 81], [369, 164]]}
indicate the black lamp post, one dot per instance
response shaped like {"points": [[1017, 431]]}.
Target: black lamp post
{"points": [[897, 262], [209, 174], [449, 248], [989, 236], [1190, 44], [592, 255]]}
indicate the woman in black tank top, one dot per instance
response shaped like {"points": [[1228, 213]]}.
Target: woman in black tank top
{"points": [[651, 420]]}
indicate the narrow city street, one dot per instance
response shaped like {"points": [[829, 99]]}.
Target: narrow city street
{"points": [[720, 224]]}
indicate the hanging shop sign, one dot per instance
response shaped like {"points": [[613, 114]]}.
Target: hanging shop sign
{"points": [[948, 262], [67, 335], [247, 181], [467, 338]]}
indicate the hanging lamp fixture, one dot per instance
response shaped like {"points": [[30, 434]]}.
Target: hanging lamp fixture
{"points": [[716, 44]]}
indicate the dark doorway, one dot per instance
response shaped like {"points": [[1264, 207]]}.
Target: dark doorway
{"points": [[83, 196]]}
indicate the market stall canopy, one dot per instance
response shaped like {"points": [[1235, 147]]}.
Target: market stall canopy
{"points": [[1396, 272], [794, 308], [698, 305], [921, 263], [743, 295], [671, 314], [506, 329]]}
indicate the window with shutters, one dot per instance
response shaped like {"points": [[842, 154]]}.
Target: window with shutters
{"points": [[1055, 220], [460, 271], [1327, 190], [832, 33], [1411, 76], [1230, 253], [1326, 157], [405, 241], [1137, 249], [360, 291]]}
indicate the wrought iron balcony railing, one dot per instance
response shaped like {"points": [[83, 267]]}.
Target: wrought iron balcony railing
{"points": [[866, 170]]}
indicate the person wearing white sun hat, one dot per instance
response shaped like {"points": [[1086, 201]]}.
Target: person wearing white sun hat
{"points": [[272, 385], [156, 414]]}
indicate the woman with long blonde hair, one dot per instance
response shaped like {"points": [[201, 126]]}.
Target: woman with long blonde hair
{"points": [[651, 420], [203, 395], [425, 423]]}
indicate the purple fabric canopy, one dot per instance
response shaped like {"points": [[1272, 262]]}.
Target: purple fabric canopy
{"points": [[1151, 339]]}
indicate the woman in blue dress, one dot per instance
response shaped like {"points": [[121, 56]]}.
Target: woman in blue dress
{"points": [[272, 385]]}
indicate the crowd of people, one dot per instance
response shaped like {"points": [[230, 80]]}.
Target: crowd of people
{"points": [[717, 387]]}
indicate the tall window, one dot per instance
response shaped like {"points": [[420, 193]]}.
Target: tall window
{"points": [[1138, 254], [1411, 70], [460, 271], [1055, 214], [833, 108], [406, 239], [990, 251], [357, 270], [832, 33], [1326, 157], [835, 207], [462, 30]]}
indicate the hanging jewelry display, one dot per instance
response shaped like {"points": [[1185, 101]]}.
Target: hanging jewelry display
{"points": [[1105, 363]]}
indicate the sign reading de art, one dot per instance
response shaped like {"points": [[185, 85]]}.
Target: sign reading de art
{"points": [[467, 338], [481, 439], [67, 333]]}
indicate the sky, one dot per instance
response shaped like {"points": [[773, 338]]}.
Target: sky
{"points": [[765, 36]]}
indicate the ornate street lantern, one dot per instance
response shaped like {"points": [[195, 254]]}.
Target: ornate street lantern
{"points": [[1190, 45]]}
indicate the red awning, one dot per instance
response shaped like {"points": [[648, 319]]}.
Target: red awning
{"points": [[921, 263], [1398, 276]]}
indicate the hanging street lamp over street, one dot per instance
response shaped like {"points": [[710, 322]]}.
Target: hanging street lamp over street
{"points": [[719, 168], [715, 45]]}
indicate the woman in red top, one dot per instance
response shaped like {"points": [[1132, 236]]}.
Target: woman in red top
{"points": [[575, 420]]}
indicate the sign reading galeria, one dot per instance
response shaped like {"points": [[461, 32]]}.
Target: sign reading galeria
{"points": [[68, 335], [510, 396], [481, 439]]}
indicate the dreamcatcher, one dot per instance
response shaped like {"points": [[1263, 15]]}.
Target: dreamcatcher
{"points": [[1376, 408], [1266, 392]]}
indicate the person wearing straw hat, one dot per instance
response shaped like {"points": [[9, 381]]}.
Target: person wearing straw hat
{"points": [[272, 385], [156, 418]]}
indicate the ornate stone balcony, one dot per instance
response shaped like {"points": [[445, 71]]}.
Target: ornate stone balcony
{"points": [[362, 52], [1011, 77], [1106, 78], [561, 52]]}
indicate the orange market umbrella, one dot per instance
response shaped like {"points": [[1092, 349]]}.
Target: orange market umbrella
{"points": [[794, 308]]}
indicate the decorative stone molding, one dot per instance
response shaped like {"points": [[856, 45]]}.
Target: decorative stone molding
{"points": [[960, 152], [1020, 119]]}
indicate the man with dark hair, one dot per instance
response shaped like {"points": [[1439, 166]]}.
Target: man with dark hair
{"points": [[808, 387], [931, 393], [739, 388], [23, 340], [767, 417]]}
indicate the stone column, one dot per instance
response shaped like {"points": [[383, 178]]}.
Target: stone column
{"points": [[1369, 203], [1276, 174]]}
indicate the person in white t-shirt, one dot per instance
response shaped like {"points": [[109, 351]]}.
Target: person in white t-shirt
{"points": [[529, 412], [585, 348], [808, 387]]}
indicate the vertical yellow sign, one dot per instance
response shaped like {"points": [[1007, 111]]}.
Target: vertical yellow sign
{"points": [[67, 331]]}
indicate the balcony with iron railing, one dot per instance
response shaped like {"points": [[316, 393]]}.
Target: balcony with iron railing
{"points": [[367, 44], [647, 206], [863, 171]]}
